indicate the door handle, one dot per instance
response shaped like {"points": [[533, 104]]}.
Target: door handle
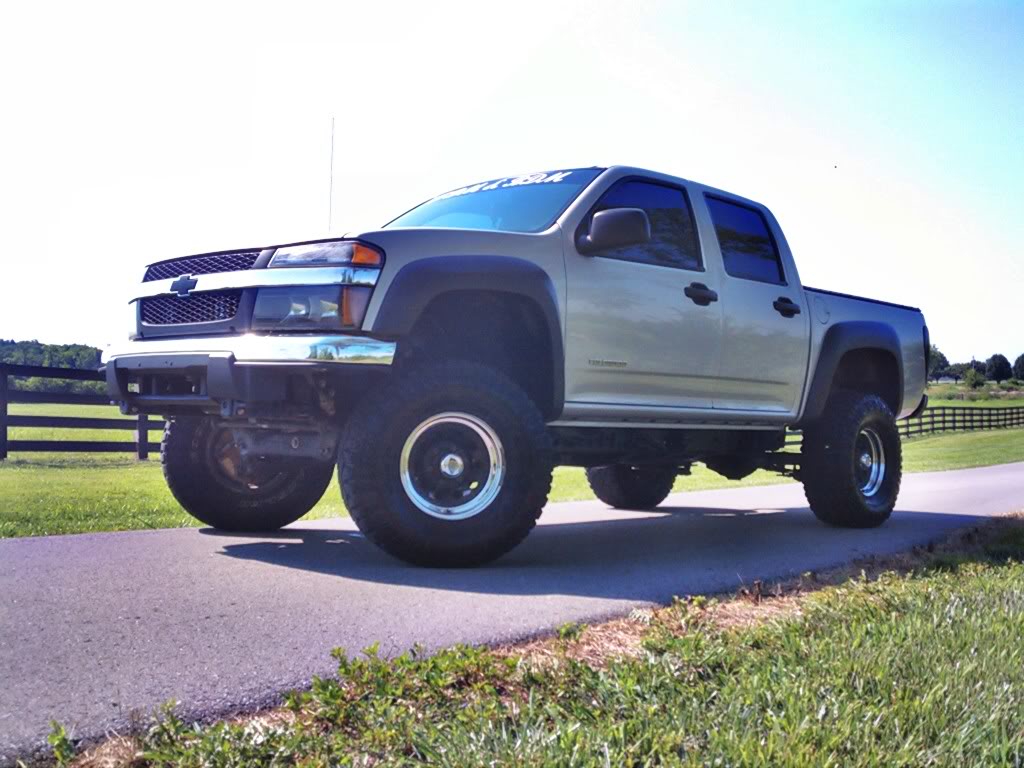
{"points": [[700, 294], [786, 307]]}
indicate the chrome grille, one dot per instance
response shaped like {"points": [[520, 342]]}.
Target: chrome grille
{"points": [[201, 265], [207, 307]]}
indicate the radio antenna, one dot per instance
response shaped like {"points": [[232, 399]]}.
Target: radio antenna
{"points": [[330, 188]]}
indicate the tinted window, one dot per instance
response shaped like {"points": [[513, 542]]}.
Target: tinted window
{"points": [[748, 248], [527, 203], [673, 233]]}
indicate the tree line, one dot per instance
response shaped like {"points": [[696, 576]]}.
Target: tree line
{"points": [[79, 356], [975, 373]]}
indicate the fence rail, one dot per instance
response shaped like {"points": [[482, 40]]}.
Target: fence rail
{"points": [[139, 425], [931, 421], [946, 418], [958, 419]]}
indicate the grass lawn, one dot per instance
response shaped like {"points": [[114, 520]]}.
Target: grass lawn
{"points": [[915, 668], [962, 396], [993, 403], [43, 494]]}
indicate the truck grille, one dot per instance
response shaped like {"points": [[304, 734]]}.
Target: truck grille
{"points": [[207, 307], [201, 265]]}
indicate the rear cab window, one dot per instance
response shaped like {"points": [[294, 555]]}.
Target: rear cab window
{"points": [[673, 240], [749, 250]]}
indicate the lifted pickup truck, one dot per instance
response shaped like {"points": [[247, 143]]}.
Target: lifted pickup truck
{"points": [[616, 319]]}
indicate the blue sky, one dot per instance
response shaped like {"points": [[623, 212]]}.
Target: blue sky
{"points": [[886, 137]]}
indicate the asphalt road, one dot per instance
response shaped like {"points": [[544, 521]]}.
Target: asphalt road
{"points": [[96, 627]]}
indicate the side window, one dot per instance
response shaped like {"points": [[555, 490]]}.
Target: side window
{"points": [[673, 232], [748, 248]]}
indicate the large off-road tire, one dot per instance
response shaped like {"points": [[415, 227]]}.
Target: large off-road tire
{"points": [[625, 487], [448, 466], [203, 469], [852, 462]]}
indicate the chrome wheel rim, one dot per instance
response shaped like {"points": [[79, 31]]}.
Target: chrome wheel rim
{"points": [[452, 466], [869, 462]]}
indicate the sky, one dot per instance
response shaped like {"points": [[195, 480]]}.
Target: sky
{"points": [[887, 138]]}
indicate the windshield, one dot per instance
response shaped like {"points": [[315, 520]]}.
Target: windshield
{"points": [[529, 203]]}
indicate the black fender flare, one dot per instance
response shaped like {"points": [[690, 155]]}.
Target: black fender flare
{"points": [[418, 283], [840, 339]]}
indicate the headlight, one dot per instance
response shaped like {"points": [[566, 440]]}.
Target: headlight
{"points": [[334, 253], [314, 307]]}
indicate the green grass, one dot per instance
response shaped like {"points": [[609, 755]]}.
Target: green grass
{"points": [[43, 494], [963, 450], [990, 395], [993, 403], [918, 669]]}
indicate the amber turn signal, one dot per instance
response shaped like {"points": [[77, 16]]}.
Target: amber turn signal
{"points": [[365, 255]]}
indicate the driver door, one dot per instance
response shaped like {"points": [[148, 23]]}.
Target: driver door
{"points": [[635, 341]]}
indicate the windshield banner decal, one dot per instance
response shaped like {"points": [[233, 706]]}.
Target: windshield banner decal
{"points": [[552, 177]]}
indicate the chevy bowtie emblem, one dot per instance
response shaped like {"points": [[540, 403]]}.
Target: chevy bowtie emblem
{"points": [[184, 284]]}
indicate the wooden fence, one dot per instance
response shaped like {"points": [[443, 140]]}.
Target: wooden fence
{"points": [[139, 426], [960, 419], [950, 419], [941, 419]]}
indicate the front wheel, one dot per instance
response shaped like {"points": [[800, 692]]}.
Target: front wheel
{"points": [[204, 470], [852, 462], [448, 466]]}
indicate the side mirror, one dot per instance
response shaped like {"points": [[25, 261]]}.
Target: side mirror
{"points": [[615, 228]]}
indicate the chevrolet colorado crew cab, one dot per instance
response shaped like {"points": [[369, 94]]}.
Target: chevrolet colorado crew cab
{"points": [[616, 319]]}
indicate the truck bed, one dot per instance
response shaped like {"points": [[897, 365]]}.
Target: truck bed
{"points": [[862, 298]]}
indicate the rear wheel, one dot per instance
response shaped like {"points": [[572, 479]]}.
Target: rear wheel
{"points": [[204, 470], [625, 487], [852, 462], [449, 466]]}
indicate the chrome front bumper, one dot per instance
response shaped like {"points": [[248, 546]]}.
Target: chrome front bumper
{"points": [[219, 374], [253, 349]]}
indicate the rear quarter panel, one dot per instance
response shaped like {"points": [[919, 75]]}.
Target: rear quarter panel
{"points": [[828, 309]]}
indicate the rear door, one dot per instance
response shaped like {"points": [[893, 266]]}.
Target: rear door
{"points": [[634, 339], [766, 325]]}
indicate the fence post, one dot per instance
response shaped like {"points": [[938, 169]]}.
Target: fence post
{"points": [[142, 438], [3, 412]]}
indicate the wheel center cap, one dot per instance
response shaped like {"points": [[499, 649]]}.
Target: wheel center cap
{"points": [[452, 465], [865, 460]]}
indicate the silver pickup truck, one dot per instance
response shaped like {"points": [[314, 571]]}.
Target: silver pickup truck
{"points": [[616, 319]]}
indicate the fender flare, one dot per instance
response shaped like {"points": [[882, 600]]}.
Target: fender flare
{"points": [[421, 281], [840, 339]]}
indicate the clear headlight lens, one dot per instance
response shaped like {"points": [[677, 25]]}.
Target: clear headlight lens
{"points": [[330, 254], [315, 307]]}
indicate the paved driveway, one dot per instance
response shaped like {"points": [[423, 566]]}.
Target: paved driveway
{"points": [[95, 627]]}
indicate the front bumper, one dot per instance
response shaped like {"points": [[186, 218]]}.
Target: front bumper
{"points": [[163, 375], [254, 349]]}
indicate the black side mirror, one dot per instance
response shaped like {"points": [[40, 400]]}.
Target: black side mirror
{"points": [[615, 228]]}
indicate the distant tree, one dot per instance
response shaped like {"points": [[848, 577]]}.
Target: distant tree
{"points": [[957, 370], [1018, 368], [978, 365], [938, 364], [973, 379], [998, 368], [51, 356]]}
